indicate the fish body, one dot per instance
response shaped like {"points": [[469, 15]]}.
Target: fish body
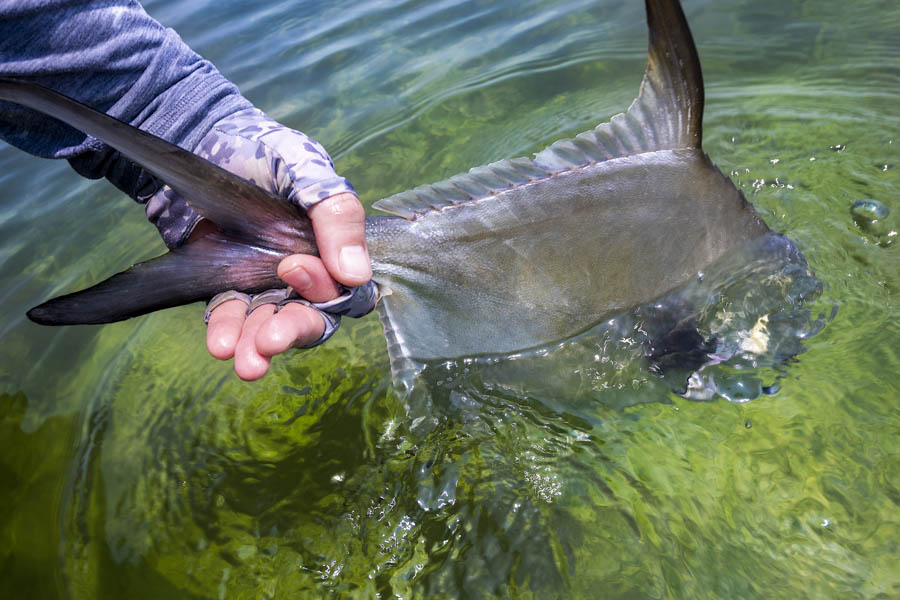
{"points": [[508, 256], [546, 261]]}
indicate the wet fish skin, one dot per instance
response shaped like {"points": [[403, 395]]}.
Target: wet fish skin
{"points": [[546, 262], [509, 256]]}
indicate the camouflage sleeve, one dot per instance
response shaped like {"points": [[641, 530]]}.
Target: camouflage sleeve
{"points": [[285, 162], [111, 55]]}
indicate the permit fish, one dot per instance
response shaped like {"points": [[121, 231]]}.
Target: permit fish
{"points": [[508, 256]]}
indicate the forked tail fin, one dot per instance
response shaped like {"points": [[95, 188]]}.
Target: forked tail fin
{"points": [[256, 228]]}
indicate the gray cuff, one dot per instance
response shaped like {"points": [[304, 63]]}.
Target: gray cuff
{"points": [[220, 299], [354, 302]]}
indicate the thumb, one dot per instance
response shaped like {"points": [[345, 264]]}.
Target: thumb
{"points": [[339, 223]]}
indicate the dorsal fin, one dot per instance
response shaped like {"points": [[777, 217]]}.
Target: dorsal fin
{"points": [[666, 115]]}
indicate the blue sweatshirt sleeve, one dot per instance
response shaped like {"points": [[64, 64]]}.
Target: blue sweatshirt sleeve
{"points": [[111, 55]]}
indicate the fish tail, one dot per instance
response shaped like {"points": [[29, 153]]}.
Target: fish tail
{"points": [[254, 228]]}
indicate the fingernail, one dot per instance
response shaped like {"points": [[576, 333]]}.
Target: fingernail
{"points": [[354, 261], [300, 279]]}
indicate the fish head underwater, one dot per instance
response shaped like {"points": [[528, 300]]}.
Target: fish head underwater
{"points": [[625, 241]]}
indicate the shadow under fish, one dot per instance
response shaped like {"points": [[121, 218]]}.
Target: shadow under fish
{"points": [[606, 231]]}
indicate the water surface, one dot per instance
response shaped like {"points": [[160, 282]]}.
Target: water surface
{"points": [[136, 466]]}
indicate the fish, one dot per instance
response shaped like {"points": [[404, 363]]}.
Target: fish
{"points": [[508, 256]]}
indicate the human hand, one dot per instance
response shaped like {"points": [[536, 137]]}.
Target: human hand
{"points": [[297, 169], [252, 340]]}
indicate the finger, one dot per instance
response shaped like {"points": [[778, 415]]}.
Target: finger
{"points": [[249, 364], [339, 223], [308, 276], [224, 329], [293, 325]]}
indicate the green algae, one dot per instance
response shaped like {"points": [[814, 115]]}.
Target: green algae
{"points": [[139, 467]]}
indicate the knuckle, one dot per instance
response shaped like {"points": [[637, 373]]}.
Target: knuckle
{"points": [[309, 326], [306, 337], [305, 317], [346, 207]]}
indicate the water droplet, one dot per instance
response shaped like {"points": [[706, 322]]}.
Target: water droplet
{"points": [[869, 210], [870, 216]]}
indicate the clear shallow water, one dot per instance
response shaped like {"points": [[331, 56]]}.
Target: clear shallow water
{"points": [[136, 465]]}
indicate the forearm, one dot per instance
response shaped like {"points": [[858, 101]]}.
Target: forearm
{"points": [[114, 57]]}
